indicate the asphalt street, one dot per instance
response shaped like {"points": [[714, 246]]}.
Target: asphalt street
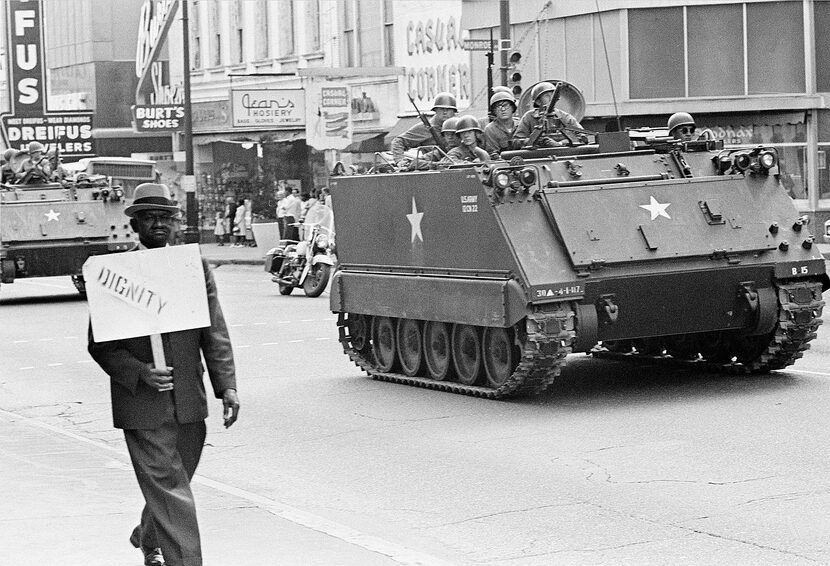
{"points": [[613, 465]]}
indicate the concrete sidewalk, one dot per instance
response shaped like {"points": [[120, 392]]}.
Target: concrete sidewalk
{"points": [[72, 501], [221, 255]]}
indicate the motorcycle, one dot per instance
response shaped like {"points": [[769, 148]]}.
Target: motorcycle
{"points": [[307, 262]]}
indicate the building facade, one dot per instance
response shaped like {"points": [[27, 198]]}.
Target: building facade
{"points": [[753, 72]]}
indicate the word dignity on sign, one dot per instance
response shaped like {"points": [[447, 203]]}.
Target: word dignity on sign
{"points": [[129, 288]]}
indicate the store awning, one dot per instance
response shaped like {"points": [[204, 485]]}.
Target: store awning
{"points": [[403, 125], [274, 136], [368, 142]]}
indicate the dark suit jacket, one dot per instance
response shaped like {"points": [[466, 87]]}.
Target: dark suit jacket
{"points": [[135, 405]]}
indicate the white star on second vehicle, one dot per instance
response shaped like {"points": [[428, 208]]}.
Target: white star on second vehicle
{"points": [[656, 209], [52, 215], [415, 221]]}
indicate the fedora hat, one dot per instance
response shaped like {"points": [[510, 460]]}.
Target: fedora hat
{"points": [[152, 196]]}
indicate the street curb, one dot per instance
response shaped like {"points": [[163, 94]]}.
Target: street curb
{"points": [[217, 262]]}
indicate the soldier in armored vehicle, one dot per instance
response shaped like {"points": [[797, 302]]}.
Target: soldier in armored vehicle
{"points": [[498, 134], [418, 135], [36, 168], [468, 130], [541, 96]]}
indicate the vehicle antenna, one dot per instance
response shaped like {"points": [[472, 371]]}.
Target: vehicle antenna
{"points": [[608, 66]]}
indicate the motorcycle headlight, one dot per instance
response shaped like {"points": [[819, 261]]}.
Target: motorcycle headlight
{"points": [[322, 241]]}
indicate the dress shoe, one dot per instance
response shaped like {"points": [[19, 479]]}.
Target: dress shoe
{"points": [[153, 557]]}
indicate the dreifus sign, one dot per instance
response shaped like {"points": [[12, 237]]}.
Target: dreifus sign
{"points": [[29, 120]]}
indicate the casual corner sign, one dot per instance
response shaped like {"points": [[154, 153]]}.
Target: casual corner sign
{"points": [[146, 292]]}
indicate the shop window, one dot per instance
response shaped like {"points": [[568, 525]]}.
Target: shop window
{"points": [[195, 37], [238, 32], [388, 34], [216, 44], [716, 50], [369, 33], [262, 35], [823, 171], [655, 45], [312, 25], [347, 45], [286, 28], [822, 16], [775, 47]]}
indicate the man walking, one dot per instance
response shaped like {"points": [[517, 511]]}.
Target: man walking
{"points": [[163, 410]]}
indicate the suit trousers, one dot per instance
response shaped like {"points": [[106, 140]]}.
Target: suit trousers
{"points": [[164, 460]]}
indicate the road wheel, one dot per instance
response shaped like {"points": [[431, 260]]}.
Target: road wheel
{"points": [[410, 349], [317, 279], [500, 356], [466, 353], [715, 347], [437, 348], [618, 346], [358, 331], [649, 346], [383, 343], [285, 270], [682, 347]]}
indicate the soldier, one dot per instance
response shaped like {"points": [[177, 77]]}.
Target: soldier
{"points": [[468, 130], [682, 127], [541, 95], [37, 163], [418, 135], [7, 172], [499, 133]]}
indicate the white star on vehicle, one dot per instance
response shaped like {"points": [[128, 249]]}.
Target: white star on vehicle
{"points": [[52, 215], [415, 221], [656, 209]]}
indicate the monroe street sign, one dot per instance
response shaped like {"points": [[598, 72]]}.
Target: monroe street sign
{"points": [[479, 44]]}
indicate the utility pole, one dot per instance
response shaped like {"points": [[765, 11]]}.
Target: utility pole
{"points": [[191, 233], [504, 44]]}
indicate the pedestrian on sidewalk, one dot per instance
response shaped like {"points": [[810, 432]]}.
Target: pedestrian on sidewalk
{"points": [[219, 229], [239, 225], [163, 410]]}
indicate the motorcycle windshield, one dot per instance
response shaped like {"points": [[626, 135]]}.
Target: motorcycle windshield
{"points": [[322, 215]]}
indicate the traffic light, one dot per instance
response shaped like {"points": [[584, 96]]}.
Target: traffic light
{"points": [[514, 73]]}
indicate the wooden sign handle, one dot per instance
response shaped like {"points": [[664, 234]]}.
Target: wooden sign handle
{"points": [[158, 351]]}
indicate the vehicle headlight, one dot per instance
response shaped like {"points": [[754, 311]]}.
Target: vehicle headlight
{"points": [[322, 241], [768, 159], [742, 161], [501, 180]]}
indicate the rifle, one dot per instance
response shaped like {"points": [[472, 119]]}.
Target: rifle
{"points": [[436, 135], [543, 126]]}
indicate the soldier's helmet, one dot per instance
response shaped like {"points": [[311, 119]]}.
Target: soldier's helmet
{"points": [[449, 125], [539, 90], [501, 96], [501, 88], [680, 119], [467, 123], [35, 146], [444, 100]]}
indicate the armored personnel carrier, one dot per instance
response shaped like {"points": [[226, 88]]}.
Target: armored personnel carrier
{"points": [[480, 279], [49, 229]]}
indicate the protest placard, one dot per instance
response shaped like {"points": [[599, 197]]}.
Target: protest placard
{"points": [[146, 293]]}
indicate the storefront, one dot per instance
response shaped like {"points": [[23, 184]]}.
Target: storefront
{"points": [[240, 159]]}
